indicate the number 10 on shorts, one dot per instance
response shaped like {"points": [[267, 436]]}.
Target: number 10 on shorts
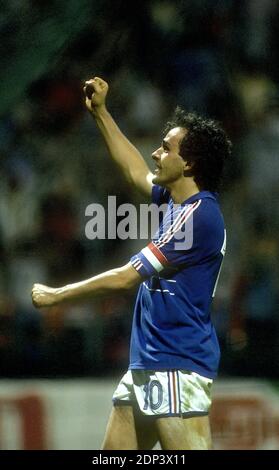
{"points": [[153, 395]]}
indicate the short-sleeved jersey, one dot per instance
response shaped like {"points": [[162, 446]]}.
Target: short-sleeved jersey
{"points": [[172, 328]]}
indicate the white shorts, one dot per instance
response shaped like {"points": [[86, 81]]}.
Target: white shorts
{"points": [[165, 393]]}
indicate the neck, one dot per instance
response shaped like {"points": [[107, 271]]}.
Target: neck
{"points": [[182, 190]]}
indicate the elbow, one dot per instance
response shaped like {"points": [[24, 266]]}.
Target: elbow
{"points": [[128, 281], [126, 284]]}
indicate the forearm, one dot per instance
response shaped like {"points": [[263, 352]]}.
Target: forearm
{"points": [[115, 280], [102, 284], [122, 151]]}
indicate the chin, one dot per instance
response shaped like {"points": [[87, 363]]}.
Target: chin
{"points": [[156, 179], [159, 181]]}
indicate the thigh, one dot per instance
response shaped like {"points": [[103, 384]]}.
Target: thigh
{"points": [[178, 433], [129, 430], [146, 430], [121, 432]]}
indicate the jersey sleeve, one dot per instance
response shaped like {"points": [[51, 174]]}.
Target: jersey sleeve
{"points": [[179, 245]]}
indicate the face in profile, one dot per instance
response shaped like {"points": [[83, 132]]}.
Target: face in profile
{"points": [[170, 166]]}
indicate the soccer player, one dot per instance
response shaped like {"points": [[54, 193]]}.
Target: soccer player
{"points": [[165, 395]]}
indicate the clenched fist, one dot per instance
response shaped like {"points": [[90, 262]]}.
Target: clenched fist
{"points": [[44, 296], [95, 91]]}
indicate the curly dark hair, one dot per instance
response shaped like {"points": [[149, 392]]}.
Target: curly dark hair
{"points": [[205, 145]]}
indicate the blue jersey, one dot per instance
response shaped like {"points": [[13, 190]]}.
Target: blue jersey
{"points": [[172, 328]]}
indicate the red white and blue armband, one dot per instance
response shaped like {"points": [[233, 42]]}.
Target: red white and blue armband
{"points": [[149, 261]]}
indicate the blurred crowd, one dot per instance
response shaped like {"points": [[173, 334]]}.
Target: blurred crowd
{"points": [[219, 58]]}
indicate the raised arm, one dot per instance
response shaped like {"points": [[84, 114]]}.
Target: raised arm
{"points": [[118, 279], [122, 151]]}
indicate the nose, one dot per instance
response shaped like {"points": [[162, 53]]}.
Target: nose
{"points": [[155, 155]]}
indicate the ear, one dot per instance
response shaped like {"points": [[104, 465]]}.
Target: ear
{"points": [[188, 169]]}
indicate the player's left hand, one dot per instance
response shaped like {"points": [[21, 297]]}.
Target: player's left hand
{"points": [[44, 296]]}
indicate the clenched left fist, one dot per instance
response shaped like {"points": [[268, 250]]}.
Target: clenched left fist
{"points": [[44, 296]]}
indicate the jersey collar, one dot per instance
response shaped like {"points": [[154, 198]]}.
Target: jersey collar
{"points": [[201, 195]]}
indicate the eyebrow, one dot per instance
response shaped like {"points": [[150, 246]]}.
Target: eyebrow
{"points": [[166, 144]]}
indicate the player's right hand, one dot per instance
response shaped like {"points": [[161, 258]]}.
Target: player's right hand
{"points": [[44, 296], [97, 98]]}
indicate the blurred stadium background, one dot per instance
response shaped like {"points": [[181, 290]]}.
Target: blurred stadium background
{"points": [[220, 58]]}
